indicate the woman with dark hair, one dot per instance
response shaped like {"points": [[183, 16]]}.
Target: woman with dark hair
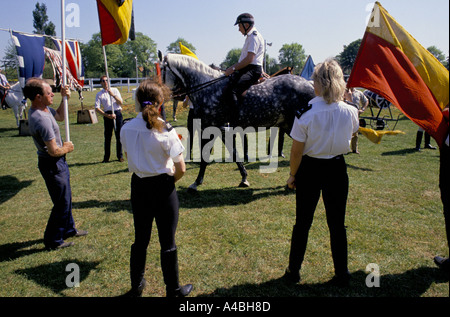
{"points": [[155, 156]]}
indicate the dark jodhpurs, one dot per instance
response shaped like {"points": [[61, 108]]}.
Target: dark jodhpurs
{"points": [[154, 198], [109, 128], [240, 81], [314, 176]]}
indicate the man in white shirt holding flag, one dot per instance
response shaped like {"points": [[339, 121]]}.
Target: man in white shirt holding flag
{"points": [[111, 100]]}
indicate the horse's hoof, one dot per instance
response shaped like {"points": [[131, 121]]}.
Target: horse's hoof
{"points": [[193, 188], [244, 184]]}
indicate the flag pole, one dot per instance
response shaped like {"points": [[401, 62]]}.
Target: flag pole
{"points": [[64, 79], [109, 83]]}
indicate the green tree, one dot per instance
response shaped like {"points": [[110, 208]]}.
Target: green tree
{"points": [[231, 58], [440, 56], [10, 63], [272, 65], [43, 26], [41, 23], [348, 56], [121, 58], [144, 48], [292, 55], [174, 47]]}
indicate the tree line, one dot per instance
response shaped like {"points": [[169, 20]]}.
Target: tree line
{"points": [[136, 58]]}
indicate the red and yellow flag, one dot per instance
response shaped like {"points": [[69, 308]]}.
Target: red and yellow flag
{"points": [[393, 64], [115, 20]]}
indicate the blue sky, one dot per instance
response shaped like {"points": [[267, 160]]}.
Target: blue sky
{"points": [[322, 27]]}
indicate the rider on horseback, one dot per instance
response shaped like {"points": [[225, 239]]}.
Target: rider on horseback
{"points": [[4, 87], [248, 70]]}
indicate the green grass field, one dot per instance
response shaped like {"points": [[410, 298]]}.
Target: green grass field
{"points": [[232, 242]]}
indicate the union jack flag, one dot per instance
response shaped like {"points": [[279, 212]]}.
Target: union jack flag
{"points": [[73, 59]]}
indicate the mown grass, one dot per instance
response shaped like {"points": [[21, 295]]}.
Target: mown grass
{"points": [[232, 241]]}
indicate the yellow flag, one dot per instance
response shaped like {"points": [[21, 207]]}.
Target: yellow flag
{"points": [[375, 136], [186, 51]]}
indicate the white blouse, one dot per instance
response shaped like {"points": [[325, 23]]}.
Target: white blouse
{"points": [[326, 129], [150, 152]]}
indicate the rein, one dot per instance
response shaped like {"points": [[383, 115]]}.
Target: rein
{"points": [[200, 87], [191, 89]]}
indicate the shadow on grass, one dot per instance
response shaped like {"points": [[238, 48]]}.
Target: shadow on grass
{"points": [[10, 186], [53, 275], [108, 206], [412, 283], [12, 251], [227, 196], [403, 152]]}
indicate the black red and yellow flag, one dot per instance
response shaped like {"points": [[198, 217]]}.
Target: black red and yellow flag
{"points": [[393, 64], [116, 20]]}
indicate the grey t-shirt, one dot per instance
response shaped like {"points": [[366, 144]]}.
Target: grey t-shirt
{"points": [[43, 128]]}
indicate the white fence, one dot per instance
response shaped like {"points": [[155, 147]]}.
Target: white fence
{"points": [[130, 83]]}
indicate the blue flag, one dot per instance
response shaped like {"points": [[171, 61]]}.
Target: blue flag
{"points": [[308, 69], [30, 55]]}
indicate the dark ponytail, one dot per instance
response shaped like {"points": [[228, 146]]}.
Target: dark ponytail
{"points": [[150, 96]]}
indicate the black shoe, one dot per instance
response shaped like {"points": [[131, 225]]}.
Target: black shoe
{"points": [[291, 277], [183, 291], [430, 147], [136, 291], [105, 161], [341, 280], [442, 263]]}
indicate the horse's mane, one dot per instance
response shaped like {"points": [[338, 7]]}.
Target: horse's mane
{"points": [[181, 61]]}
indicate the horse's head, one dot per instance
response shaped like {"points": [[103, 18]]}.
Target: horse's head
{"points": [[170, 77]]}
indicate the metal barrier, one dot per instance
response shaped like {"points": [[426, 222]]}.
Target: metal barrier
{"points": [[91, 83]]}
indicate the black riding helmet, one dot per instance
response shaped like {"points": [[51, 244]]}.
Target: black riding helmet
{"points": [[245, 18]]}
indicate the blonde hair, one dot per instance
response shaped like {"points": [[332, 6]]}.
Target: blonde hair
{"points": [[329, 81], [150, 95]]}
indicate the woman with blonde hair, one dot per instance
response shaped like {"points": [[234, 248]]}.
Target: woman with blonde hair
{"points": [[155, 156], [321, 134]]}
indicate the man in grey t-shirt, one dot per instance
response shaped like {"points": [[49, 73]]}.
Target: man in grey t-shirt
{"points": [[52, 163]]}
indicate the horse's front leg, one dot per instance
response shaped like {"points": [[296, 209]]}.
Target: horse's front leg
{"points": [[203, 164], [18, 114], [244, 181], [194, 186]]}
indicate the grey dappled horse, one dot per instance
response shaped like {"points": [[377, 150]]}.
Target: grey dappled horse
{"points": [[272, 103]]}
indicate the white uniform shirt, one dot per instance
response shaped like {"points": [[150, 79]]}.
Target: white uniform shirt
{"points": [[326, 129], [103, 98], [254, 43], [149, 152], [3, 80]]}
